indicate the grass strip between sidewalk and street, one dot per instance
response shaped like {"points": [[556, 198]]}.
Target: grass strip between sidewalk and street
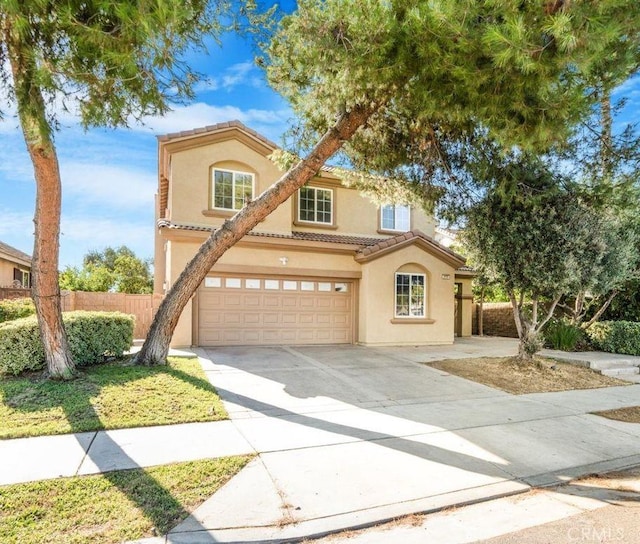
{"points": [[111, 507], [518, 378], [115, 395]]}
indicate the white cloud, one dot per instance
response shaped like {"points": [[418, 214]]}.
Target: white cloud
{"points": [[15, 222], [116, 187], [200, 114], [81, 234]]}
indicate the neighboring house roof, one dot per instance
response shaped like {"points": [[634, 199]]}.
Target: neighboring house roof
{"points": [[12, 254], [369, 248]]}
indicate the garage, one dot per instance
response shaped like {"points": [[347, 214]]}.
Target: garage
{"points": [[253, 310]]}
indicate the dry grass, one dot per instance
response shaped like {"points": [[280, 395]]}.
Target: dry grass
{"points": [[628, 415], [517, 378]]}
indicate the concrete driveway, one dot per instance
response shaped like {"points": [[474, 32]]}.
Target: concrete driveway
{"points": [[350, 436]]}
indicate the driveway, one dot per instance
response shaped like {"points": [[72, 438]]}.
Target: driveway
{"points": [[351, 435]]}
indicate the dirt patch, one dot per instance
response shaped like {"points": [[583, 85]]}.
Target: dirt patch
{"points": [[628, 415], [517, 378]]}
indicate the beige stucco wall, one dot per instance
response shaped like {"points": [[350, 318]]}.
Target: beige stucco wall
{"points": [[6, 271], [377, 300], [191, 182]]}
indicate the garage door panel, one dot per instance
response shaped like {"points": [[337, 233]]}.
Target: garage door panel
{"points": [[252, 311], [232, 300]]}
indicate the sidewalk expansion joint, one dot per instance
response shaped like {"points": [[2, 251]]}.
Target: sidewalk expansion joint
{"points": [[86, 453]]}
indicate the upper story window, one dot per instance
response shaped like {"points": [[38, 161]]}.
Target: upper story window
{"points": [[410, 295], [395, 217], [315, 205], [231, 190]]}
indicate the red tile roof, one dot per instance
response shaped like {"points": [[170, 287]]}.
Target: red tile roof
{"points": [[296, 235], [216, 128], [391, 244], [368, 247]]}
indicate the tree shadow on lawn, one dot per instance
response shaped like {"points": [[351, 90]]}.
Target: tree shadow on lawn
{"points": [[78, 398], [74, 398]]}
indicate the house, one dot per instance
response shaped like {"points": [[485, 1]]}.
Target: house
{"points": [[15, 267], [327, 266]]}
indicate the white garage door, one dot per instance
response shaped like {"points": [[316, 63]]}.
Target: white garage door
{"points": [[239, 310]]}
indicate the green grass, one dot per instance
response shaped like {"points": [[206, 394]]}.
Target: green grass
{"points": [[110, 396], [111, 507]]}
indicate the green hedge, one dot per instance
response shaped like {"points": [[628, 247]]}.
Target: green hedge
{"points": [[616, 336], [92, 336], [16, 308]]}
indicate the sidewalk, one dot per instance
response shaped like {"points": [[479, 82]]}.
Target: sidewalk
{"points": [[350, 437]]}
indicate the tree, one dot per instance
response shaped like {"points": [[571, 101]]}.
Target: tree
{"points": [[390, 78], [111, 62], [540, 242], [117, 270]]}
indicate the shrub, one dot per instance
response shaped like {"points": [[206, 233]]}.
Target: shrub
{"points": [[16, 308], [92, 337], [616, 336], [559, 334]]}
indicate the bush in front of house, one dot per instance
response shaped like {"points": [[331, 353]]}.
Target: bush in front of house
{"points": [[92, 337], [16, 308], [616, 336], [559, 334]]}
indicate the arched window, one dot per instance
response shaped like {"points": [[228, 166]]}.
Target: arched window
{"points": [[411, 291]]}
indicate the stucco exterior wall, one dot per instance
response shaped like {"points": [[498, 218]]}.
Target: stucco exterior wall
{"points": [[378, 325], [191, 183], [6, 271]]}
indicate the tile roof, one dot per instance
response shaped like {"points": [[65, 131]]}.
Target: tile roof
{"points": [[216, 128], [390, 244], [361, 241], [367, 244], [13, 252]]}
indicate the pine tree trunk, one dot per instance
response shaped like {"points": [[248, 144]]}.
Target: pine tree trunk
{"points": [[156, 346], [44, 265]]}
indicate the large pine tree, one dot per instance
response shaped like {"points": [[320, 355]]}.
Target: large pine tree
{"points": [[387, 78]]}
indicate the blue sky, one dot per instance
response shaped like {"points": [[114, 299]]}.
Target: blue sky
{"points": [[109, 177]]}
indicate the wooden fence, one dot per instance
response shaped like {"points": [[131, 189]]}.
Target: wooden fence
{"points": [[143, 307]]}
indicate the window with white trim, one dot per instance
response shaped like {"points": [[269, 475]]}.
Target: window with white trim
{"points": [[315, 205], [395, 217], [231, 190], [410, 295]]}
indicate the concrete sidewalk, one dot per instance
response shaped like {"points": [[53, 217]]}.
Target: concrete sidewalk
{"points": [[350, 436]]}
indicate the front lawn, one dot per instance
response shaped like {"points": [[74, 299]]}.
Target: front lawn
{"points": [[541, 376], [110, 396], [111, 507]]}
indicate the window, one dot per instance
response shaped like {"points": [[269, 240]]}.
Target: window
{"points": [[21, 277], [395, 218], [231, 190], [315, 205], [410, 295]]}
